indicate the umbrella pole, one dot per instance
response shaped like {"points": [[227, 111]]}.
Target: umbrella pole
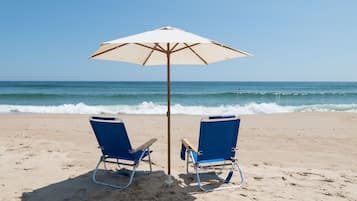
{"points": [[168, 114]]}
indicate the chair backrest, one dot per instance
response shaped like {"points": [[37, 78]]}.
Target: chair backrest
{"points": [[111, 136], [218, 138]]}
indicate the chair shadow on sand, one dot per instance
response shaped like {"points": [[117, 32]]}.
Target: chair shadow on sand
{"points": [[144, 187], [208, 180]]}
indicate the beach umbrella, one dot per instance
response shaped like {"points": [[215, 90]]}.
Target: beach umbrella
{"points": [[166, 46]]}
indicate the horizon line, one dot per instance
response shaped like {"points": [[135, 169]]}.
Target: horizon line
{"points": [[177, 81]]}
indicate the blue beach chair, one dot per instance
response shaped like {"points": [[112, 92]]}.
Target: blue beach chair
{"points": [[217, 146], [116, 148]]}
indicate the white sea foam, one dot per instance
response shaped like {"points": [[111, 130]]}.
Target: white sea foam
{"points": [[152, 108]]}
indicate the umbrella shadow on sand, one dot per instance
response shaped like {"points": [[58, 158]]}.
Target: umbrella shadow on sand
{"points": [[144, 187]]}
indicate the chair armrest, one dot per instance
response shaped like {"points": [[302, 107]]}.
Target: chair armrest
{"points": [[144, 146], [188, 145]]}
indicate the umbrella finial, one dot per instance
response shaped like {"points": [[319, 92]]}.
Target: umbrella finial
{"points": [[167, 28]]}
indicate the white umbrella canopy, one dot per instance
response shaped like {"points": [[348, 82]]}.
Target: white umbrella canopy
{"points": [[151, 48], [165, 46]]}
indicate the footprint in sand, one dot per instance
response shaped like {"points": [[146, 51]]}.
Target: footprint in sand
{"points": [[258, 178], [28, 156], [309, 173], [328, 180], [347, 181], [339, 194], [67, 166], [293, 184], [10, 149], [328, 194], [31, 155], [244, 195]]}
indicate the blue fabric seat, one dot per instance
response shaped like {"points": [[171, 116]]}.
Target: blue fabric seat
{"points": [[114, 143], [217, 146]]}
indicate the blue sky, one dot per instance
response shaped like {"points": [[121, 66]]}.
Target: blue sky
{"points": [[290, 40]]}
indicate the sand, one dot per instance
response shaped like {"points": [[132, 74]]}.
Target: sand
{"points": [[292, 156]]}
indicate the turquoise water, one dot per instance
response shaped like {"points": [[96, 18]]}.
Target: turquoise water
{"points": [[186, 97]]}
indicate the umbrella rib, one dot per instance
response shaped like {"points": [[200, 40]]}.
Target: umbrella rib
{"points": [[187, 46], [152, 48], [105, 51], [221, 45], [147, 58], [172, 49], [204, 61], [158, 45]]}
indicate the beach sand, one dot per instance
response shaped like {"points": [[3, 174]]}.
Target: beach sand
{"points": [[292, 156]]}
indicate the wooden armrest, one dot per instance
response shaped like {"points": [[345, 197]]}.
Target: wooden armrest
{"points": [[144, 146], [188, 145]]}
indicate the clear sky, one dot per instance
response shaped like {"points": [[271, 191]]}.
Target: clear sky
{"points": [[311, 40]]}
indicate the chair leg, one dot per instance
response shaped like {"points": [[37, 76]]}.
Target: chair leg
{"points": [[187, 161], [242, 179], [198, 179], [96, 169], [118, 163], [235, 163], [223, 167], [112, 185], [105, 165], [149, 160]]}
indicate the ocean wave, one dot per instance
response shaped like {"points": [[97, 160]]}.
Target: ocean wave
{"points": [[148, 94], [152, 108]]}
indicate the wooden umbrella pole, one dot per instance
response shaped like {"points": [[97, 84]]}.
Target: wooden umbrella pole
{"points": [[168, 112]]}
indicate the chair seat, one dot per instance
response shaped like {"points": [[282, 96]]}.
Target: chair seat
{"points": [[214, 160], [134, 157]]}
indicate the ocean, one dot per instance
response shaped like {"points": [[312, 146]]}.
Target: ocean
{"points": [[197, 98]]}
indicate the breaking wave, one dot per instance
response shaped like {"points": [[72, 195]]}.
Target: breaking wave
{"points": [[153, 108]]}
